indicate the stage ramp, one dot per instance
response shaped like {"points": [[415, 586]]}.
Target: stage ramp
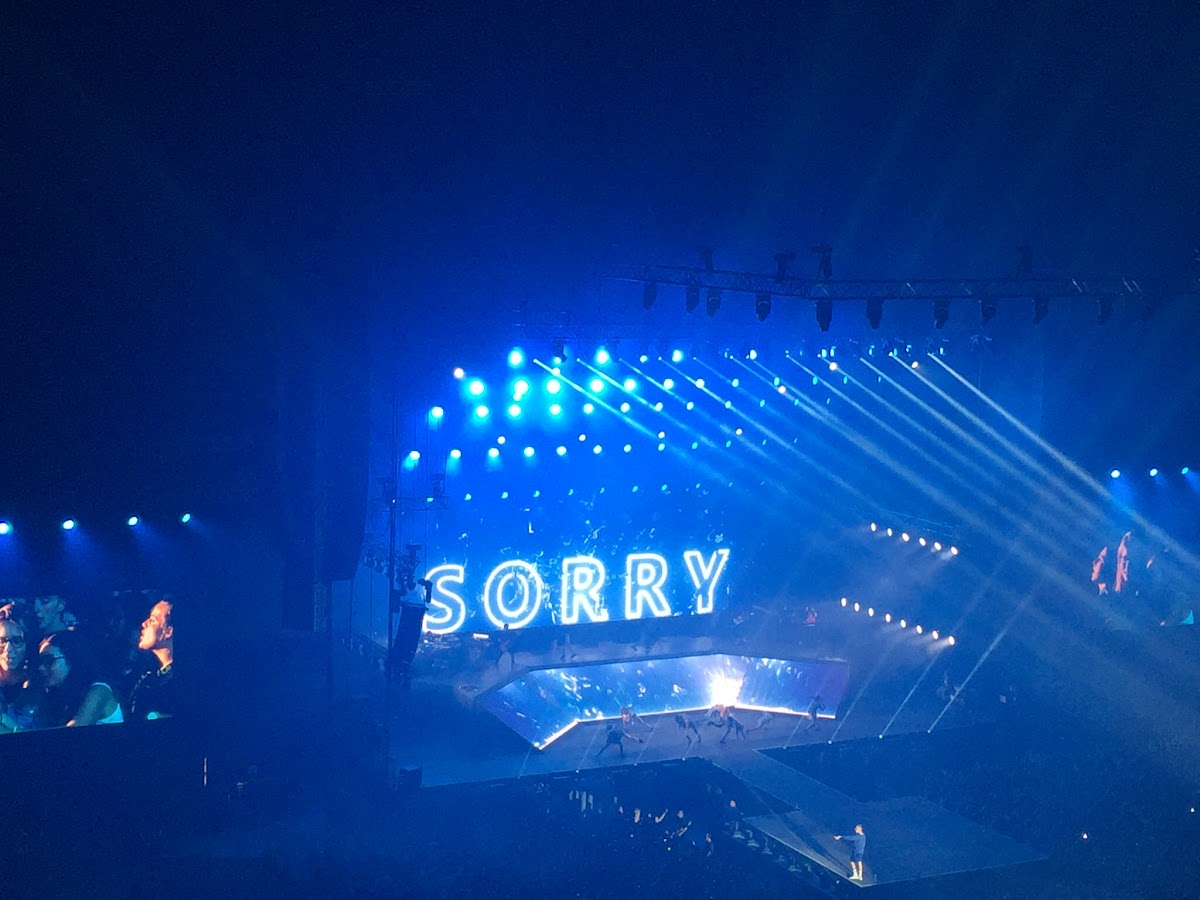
{"points": [[908, 838]]}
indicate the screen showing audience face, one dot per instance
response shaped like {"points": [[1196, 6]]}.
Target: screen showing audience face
{"points": [[65, 663]]}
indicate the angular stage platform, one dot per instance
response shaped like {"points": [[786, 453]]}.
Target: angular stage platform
{"points": [[908, 838]]}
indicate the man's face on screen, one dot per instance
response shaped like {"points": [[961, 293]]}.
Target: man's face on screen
{"points": [[12, 645], [156, 630]]}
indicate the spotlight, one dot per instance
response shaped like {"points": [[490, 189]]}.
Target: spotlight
{"points": [[582, 438], [516, 357], [954, 551], [456, 453], [713, 301], [481, 411], [588, 409], [597, 449], [890, 532], [824, 313], [501, 439], [669, 384], [459, 373], [844, 601], [627, 448], [941, 313], [857, 607], [762, 306], [920, 630], [950, 640], [676, 356], [987, 309], [132, 520], [560, 450], [692, 297], [413, 456], [1154, 473], [903, 623], [630, 385], [874, 312], [553, 386], [603, 357], [699, 382], [5, 528], [649, 294], [904, 537], [753, 354], [933, 634], [475, 388], [68, 525], [555, 409], [870, 611], [1115, 473], [185, 518], [1041, 308], [436, 413], [625, 407], [493, 452], [514, 411], [887, 617], [874, 527], [1184, 470], [528, 451], [520, 388]]}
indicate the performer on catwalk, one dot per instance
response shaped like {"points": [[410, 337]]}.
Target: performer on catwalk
{"points": [[858, 843]]}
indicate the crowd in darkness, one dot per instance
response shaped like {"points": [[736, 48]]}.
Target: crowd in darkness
{"points": [[58, 668]]}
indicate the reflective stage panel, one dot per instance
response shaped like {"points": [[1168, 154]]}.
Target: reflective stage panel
{"points": [[543, 704]]}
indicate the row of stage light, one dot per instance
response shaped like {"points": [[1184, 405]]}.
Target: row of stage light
{"points": [[556, 386], [934, 545], [903, 623], [7, 527]]}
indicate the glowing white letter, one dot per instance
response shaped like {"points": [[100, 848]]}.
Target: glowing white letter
{"points": [[705, 574], [447, 609], [582, 578], [529, 589], [645, 574]]}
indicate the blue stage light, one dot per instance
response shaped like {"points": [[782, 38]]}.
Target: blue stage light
{"points": [[561, 450], [676, 356], [588, 409], [501, 439], [816, 380], [459, 373], [699, 382], [466, 496], [634, 489], [597, 385], [691, 405], [661, 435], [630, 385], [528, 451], [514, 411], [729, 404], [555, 409], [520, 388], [5, 528], [437, 412], [669, 384], [762, 403], [516, 357], [664, 488], [603, 357], [624, 407], [728, 444], [833, 367], [658, 406], [582, 438], [775, 381], [132, 520], [504, 495], [643, 359], [493, 452], [695, 445], [553, 386], [68, 525], [662, 447], [475, 388], [1184, 470], [1154, 473], [185, 518], [456, 453], [627, 447], [738, 432], [414, 455], [597, 449], [1115, 473], [736, 382], [481, 411], [753, 354]]}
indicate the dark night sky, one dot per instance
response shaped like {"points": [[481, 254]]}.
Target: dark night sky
{"points": [[182, 188]]}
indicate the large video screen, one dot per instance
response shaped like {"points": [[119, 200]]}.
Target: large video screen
{"points": [[65, 663], [544, 704]]}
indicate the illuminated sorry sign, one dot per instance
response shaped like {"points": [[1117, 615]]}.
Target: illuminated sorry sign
{"points": [[515, 592]]}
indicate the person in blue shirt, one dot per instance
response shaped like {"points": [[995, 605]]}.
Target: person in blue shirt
{"points": [[858, 843]]}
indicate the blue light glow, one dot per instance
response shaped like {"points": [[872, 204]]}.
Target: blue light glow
{"points": [[68, 525], [582, 438], [561, 450], [597, 385], [1115, 473], [553, 386], [185, 518], [816, 380], [1184, 470], [753, 354], [528, 451], [555, 409], [737, 382], [597, 449], [437, 412], [501, 439], [476, 388], [691, 405], [729, 404], [643, 359], [414, 455], [481, 411], [627, 447], [459, 373], [676, 356], [662, 447], [630, 385], [625, 407], [699, 382], [695, 445], [588, 409], [132, 520], [493, 452], [1154, 473], [520, 388], [514, 411], [5, 528], [658, 406], [456, 453], [669, 384], [516, 357], [603, 357]]}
